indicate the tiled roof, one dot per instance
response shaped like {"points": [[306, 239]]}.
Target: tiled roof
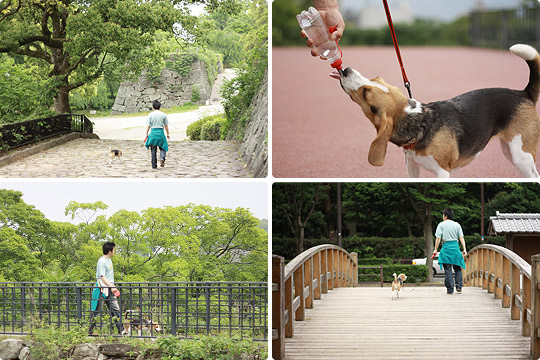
{"points": [[515, 223]]}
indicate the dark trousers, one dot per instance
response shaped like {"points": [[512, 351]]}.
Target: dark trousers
{"points": [[162, 153], [449, 279], [114, 313]]}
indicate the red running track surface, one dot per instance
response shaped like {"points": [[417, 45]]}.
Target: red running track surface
{"points": [[318, 132]]}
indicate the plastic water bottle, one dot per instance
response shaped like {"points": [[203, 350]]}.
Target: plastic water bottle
{"points": [[311, 22]]}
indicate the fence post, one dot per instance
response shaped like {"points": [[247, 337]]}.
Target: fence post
{"points": [[79, 302], [173, 310], [355, 269], [535, 323], [278, 309], [207, 295], [382, 282]]}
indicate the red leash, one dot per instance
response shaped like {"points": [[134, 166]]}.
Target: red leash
{"points": [[396, 46]]}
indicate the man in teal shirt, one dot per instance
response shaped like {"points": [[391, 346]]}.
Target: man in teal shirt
{"points": [[105, 289], [156, 123], [450, 257]]}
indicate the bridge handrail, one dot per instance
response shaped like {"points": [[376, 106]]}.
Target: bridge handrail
{"points": [[309, 275], [505, 274]]}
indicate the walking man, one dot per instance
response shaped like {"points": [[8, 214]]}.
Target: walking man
{"points": [[105, 291], [155, 136]]}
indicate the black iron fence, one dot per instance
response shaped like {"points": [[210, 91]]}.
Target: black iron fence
{"points": [[147, 309], [30, 131], [504, 28]]}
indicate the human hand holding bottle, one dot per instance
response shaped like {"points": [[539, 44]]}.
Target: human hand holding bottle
{"points": [[332, 18]]}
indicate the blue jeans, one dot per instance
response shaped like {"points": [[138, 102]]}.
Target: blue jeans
{"points": [[449, 280], [162, 153]]}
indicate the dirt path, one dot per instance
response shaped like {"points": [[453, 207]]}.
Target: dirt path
{"points": [[317, 131]]}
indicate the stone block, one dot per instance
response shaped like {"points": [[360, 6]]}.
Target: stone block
{"points": [[10, 349]]}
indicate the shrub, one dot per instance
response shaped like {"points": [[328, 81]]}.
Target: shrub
{"points": [[415, 273], [211, 129], [194, 130], [375, 261], [195, 94], [207, 128]]}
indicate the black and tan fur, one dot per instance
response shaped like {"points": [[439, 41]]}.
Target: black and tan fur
{"points": [[114, 153], [397, 284], [445, 135]]}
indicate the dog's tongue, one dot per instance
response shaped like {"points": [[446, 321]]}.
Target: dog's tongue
{"points": [[335, 75]]}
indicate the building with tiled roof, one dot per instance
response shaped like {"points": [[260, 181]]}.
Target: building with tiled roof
{"points": [[522, 232]]}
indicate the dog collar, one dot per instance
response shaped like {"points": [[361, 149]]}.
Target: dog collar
{"points": [[410, 144]]}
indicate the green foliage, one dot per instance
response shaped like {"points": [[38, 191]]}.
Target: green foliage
{"points": [[210, 347], [52, 343], [195, 94], [207, 128], [25, 91], [375, 261], [182, 63], [415, 273], [95, 96], [239, 92]]}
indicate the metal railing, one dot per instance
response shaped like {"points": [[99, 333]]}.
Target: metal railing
{"points": [[180, 309], [30, 131], [504, 28], [295, 286]]}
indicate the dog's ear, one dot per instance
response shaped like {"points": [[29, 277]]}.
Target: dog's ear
{"points": [[377, 150]]}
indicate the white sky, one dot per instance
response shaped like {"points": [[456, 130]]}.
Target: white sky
{"points": [[51, 197]]}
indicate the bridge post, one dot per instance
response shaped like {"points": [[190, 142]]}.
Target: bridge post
{"points": [[278, 308], [330, 269], [355, 269], [525, 307], [485, 267], [317, 276], [516, 291], [535, 306], [498, 270], [324, 272], [506, 281], [308, 283], [298, 278], [491, 268]]}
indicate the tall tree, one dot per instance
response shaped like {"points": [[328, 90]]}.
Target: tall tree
{"points": [[297, 203], [81, 40]]}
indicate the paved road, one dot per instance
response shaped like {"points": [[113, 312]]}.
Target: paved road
{"points": [[318, 132], [89, 158]]}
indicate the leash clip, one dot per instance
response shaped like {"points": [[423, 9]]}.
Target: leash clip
{"points": [[408, 86]]}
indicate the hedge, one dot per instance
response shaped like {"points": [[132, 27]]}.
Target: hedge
{"points": [[375, 261], [207, 128], [375, 247], [415, 273]]}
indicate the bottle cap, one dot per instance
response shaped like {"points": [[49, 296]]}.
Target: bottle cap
{"points": [[337, 64]]}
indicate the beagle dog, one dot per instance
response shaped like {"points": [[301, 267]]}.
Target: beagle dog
{"points": [[139, 324], [397, 284], [114, 153], [446, 135]]}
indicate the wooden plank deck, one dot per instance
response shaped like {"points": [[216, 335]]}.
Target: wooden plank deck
{"points": [[425, 323]]}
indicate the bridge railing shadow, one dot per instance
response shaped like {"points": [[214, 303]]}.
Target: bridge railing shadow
{"points": [[294, 286], [510, 278]]}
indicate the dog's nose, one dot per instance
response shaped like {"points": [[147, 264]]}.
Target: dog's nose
{"points": [[346, 71]]}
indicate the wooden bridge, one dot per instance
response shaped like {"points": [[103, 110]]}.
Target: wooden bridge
{"points": [[493, 318]]}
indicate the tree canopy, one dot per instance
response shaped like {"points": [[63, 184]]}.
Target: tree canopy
{"points": [[184, 243]]}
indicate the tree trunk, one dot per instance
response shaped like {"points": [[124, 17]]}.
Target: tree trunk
{"points": [[428, 244], [61, 100]]}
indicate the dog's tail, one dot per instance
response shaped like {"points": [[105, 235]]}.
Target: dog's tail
{"points": [[395, 276], [530, 55]]}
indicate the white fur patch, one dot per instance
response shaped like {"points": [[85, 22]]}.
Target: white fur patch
{"points": [[522, 160], [417, 108], [427, 162], [356, 81], [525, 52]]}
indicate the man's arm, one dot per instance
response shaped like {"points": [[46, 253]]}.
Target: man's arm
{"points": [[437, 242], [462, 240], [167, 130]]}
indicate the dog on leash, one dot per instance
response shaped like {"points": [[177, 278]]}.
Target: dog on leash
{"points": [[139, 324], [397, 284], [446, 135], [114, 154]]}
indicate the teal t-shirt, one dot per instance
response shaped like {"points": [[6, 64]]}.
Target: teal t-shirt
{"points": [[448, 230], [105, 268], [157, 119]]}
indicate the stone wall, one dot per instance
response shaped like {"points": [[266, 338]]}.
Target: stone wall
{"points": [[172, 89], [254, 146]]}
